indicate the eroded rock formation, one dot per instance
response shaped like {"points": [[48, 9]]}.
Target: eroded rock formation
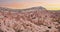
{"points": [[30, 20]]}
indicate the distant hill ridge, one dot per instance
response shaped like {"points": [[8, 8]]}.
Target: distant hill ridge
{"points": [[31, 9]]}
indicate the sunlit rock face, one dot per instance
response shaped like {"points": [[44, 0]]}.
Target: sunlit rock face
{"points": [[36, 19]]}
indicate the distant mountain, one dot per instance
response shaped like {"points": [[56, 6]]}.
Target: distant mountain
{"points": [[5, 9], [9, 9], [28, 9], [40, 8], [37, 8]]}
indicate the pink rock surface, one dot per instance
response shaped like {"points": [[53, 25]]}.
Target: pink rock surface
{"points": [[32, 21]]}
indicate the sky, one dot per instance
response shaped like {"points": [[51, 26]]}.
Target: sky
{"points": [[22, 4]]}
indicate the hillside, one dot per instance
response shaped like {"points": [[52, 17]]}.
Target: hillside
{"points": [[35, 19]]}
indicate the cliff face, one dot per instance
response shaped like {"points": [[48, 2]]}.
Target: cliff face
{"points": [[36, 19]]}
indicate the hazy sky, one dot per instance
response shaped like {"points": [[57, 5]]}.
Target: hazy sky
{"points": [[48, 4]]}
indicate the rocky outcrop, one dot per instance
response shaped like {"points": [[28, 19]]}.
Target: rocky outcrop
{"points": [[30, 20]]}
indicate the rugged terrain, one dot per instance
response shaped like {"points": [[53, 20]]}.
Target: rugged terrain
{"points": [[36, 19]]}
